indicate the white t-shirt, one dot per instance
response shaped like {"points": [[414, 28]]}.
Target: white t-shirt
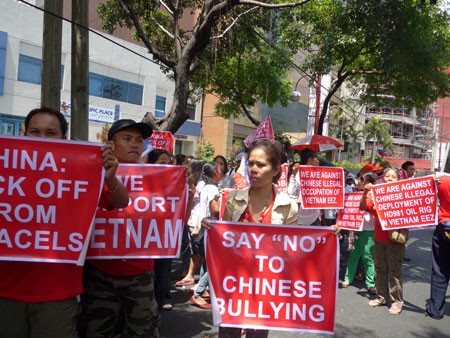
{"points": [[207, 194]]}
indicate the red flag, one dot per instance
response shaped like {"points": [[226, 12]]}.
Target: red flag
{"points": [[263, 131]]}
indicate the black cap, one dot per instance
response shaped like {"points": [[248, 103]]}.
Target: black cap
{"points": [[128, 123]]}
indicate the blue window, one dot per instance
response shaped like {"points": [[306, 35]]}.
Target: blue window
{"points": [[30, 70], [160, 106], [190, 109], [115, 89], [10, 126]]}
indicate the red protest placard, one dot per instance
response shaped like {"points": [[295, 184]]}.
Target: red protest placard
{"points": [[162, 140], [286, 277], [152, 224], [351, 218], [406, 204], [321, 187], [49, 193], [282, 183]]}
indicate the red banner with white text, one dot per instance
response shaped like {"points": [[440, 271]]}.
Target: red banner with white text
{"points": [[152, 224], [282, 183], [49, 194], [351, 218], [161, 139], [410, 203], [286, 277], [321, 187]]}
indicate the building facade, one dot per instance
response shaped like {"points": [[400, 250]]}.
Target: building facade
{"points": [[122, 84]]}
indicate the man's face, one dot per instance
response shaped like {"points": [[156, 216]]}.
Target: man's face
{"points": [[314, 161], [410, 171], [128, 145], [44, 125]]}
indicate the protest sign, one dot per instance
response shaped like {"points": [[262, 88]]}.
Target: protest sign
{"points": [[351, 218], [321, 187], [162, 140], [282, 183], [406, 204], [286, 277], [152, 224], [49, 193]]}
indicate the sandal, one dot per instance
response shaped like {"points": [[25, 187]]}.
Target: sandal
{"points": [[395, 309], [200, 302], [377, 302], [185, 282], [372, 290], [345, 284]]}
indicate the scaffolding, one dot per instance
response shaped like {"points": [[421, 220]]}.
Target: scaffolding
{"points": [[412, 131]]}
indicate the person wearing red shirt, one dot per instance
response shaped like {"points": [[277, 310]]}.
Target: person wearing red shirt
{"points": [[440, 269], [388, 256], [116, 287], [39, 299], [260, 203]]}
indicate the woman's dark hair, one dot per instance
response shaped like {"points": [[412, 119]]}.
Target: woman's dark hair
{"points": [[49, 111], [369, 178], [273, 154], [155, 154], [224, 170], [180, 158], [196, 169], [208, 172]]}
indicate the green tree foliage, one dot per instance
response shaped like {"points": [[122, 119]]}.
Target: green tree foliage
{"points": [[395, 48], [205, 151], [224, 50], [378, 132]]}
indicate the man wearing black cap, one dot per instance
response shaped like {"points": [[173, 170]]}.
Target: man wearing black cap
{"points": [[125, 285]]}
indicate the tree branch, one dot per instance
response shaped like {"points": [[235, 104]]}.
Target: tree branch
{"points": [[168, 9], [127, 5], [233, 23], [272, 6], [246, 112]]}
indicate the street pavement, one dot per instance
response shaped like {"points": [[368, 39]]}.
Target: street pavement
{"points": [[354, 317]]}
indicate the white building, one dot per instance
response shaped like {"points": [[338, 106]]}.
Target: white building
{"points": [[121, 84]]}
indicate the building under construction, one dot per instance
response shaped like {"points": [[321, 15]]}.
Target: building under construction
{"points": [[413, 134]]}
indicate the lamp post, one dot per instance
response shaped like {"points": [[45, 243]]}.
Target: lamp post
{"points": [[296, 95]]}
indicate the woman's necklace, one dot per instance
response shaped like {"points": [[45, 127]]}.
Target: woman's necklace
{"points": [[265, 208]]}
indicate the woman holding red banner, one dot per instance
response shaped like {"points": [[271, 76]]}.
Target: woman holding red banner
{"points": [[388, 256], [259, 203]]}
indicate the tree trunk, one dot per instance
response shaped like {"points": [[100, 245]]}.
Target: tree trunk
{"points": [[373, 151], [333, 89]]}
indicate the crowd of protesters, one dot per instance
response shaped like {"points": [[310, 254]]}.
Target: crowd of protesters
{"points": [[125, 296]]}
